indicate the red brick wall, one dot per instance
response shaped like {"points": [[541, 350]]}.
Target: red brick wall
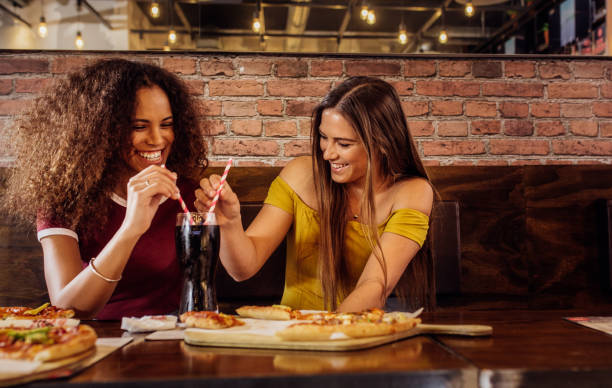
{"points": [[462, 111]]}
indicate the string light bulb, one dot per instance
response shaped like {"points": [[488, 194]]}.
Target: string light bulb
{"points": [[256, 24], [371, 19], [78, 42], [154, 10], [402, 36], [363, 14], [469, 9], [42, 27], [443, 37], [172, 36]]}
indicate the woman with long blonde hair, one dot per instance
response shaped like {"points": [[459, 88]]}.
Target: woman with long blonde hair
{"points": [[356, 211]]}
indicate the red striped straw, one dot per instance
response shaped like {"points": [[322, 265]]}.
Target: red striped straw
{"points": [[211, 211], [183, 205]]}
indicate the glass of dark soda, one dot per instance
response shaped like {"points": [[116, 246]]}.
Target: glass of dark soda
{"points": [[197, 249]]}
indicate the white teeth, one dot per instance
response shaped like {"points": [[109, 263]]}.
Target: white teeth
{"points": [[150, 155], [336, 165]]}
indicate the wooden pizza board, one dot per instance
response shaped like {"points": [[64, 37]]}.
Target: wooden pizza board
{"points": [[60, 368], [260, 334]]}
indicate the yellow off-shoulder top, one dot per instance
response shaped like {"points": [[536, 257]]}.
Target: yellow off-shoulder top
{"points": [[302, 285]]}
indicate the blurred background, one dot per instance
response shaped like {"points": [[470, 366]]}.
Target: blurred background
{"points": [[576, 27]]}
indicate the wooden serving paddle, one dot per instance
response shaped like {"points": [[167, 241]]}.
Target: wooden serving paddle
{"points": [[252, 338]]}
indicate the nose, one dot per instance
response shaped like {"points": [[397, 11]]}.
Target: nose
{"points": [[154, 135], [329, 152]]}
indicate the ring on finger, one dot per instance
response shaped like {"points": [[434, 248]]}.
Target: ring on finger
{"points": [[147, 182]]}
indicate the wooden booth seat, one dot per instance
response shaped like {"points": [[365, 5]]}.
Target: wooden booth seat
{"points": [[505, 237]]}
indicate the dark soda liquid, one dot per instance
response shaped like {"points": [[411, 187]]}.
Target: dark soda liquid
{"points": [[197, 249]]}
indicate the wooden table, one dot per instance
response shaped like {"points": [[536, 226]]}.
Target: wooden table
{"points": [[528, 348]]}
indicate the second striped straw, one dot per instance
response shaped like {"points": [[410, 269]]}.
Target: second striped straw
{"points": [[211, 211]]}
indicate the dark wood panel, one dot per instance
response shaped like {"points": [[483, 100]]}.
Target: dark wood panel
{"points": [[529, 235], [21, 278], [565, 269], [446, 247], [489, 186], [558, 186], [493, 251]]}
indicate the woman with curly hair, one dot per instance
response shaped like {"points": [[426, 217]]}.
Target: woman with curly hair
{"points": [[101, 159], [357, 211]]}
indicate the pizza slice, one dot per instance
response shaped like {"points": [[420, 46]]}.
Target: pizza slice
{"points": [[45, 311], [46, 343], [276, 312], [209, 320]]}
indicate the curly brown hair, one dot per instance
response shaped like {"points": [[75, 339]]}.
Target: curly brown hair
{"points": [[69, 143]]}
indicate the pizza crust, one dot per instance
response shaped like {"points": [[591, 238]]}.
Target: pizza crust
{"points": [[275, 313], [85, 340], [307, 332]]}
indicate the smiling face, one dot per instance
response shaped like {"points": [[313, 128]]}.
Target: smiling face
{"points": [[152, 129], [342, 148]]}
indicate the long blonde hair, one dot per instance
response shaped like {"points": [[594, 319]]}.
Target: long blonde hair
{"points": [[373, 108]]}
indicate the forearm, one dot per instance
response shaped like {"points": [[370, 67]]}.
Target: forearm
{"points": [[365, 295], [88, 293], [237, 252]]}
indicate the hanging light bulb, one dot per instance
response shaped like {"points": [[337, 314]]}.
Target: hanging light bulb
{"points": [[371, 17], [154, 10], [443, 37], [469, 9], [402, 36], [172, 36], [78, 42], [363, 14], [256, 24], [42, 27]]}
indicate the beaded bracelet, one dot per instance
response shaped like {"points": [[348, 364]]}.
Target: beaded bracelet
{"points": [[94, 270]]}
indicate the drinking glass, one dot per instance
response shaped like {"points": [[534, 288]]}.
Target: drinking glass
{"points": [[197, 249]]}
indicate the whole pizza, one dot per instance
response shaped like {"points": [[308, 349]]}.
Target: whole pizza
{"points": [[370, 323]]}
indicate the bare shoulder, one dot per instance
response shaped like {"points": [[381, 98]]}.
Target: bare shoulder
{"points": [[298, 174], [413, 193]]}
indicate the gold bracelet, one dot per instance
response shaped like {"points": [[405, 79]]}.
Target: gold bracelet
{"points": [[94, 270]]}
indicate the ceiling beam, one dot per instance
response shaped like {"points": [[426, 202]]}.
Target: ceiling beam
{"points": [[341, 4], [14, 15], [414, 43], [297, 18], [97, 14], [273, 33], [181, 15], [345, 21]]}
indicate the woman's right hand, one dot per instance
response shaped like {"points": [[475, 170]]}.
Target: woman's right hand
{"points": [[145, 191], [227, 209]]}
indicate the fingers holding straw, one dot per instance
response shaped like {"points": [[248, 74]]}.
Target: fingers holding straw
{"points": [[211, 211]]}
